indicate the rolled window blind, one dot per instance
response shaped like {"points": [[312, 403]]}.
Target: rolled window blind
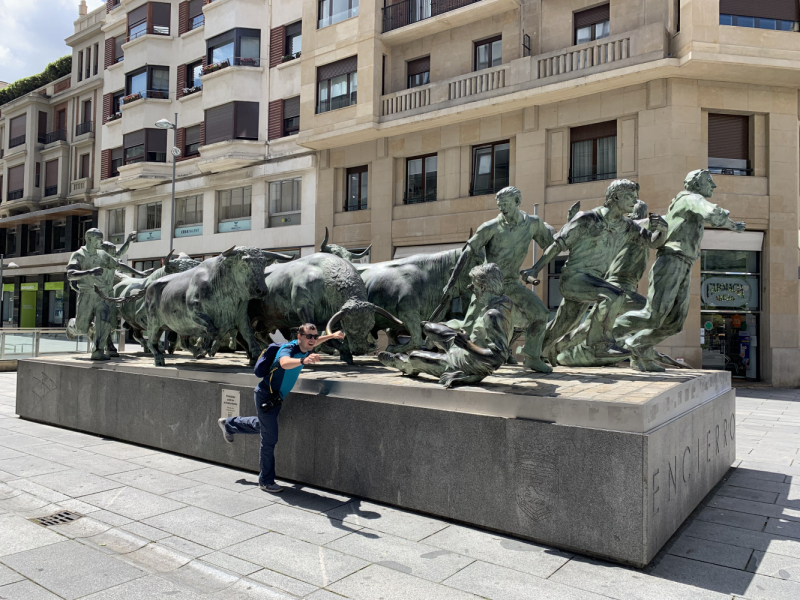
{"points": [[291, 107], [193, 135], [728, 136], [16, 127], [420, 65], [51, 173], [16, 178], [788, 10], [219, 123], [340, 67], [593, 132], [598, 14]]}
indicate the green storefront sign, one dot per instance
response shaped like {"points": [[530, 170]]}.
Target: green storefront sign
{"points": [[8, 287], [53, 286]]}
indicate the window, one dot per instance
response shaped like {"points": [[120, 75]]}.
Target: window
{"points": [[88, 62], [490, 168], [59, 236], [51, 178], [421, 179], [96, 55], [232, 121], [337, 84], [357, 187], [80, 65], [32, 239], [239, 47], [234, 209], [148, 82], [85, 166], [16, 182], [284, 203], [196, 16], [193, 73], [419, 72], [189, 210], [145, 144], [116, 225], [294, 39], [84, 225], [38, 175], [778, 15], [149, 216], [86, 125], [16, 131], [11, 242], [192, 141], [594, 152], [117, 160], [152, 17], [87, 111], [334, 11], [729, 144], [291, 116], [489, 53], [143, 265], [592, 24], [119, 55], [116, 102]]}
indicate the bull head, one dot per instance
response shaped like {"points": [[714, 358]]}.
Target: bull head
{"points": [[339, 251], [357, 318]]}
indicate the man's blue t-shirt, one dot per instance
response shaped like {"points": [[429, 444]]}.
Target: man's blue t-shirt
{"points": [[279, 379]]}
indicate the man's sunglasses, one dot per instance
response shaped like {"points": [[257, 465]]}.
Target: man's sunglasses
{"points": [[311, 336]]}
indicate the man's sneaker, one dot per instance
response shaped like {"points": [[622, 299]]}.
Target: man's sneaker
{"points": [[272, 488], [228, 436]]}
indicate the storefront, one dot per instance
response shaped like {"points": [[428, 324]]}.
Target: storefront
{"points": [[730, 295]]}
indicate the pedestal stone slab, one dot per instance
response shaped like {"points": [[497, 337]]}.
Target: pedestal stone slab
{"points": [[606, 462]]}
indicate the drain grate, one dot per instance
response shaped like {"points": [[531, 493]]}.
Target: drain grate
{"points": [[58, 518]]}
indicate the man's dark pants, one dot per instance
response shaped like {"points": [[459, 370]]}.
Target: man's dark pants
{"points": [[266, 424]]}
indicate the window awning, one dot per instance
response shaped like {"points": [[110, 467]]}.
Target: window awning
{"points": [[722, 239], [70, 210], [405, 251]]}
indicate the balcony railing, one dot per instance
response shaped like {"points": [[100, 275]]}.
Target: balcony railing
{"points": [[419, 198], [83, 128], [15, 194], [478, 82], [152, 94], [407, 12], [50, 190], [41, 138], [584, 56], [59, 135], [16, 141], [406, 100], [80, 185], [236, 61], [195, 22]]}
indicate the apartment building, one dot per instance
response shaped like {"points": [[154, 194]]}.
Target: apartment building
{"points": [[421, 109], [229, 70], [48, 166]]}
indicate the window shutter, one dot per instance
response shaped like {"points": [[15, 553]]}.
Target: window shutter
{"points": [[275, 125], [156, 140], [109, 60], [180, 142], [107, 101], [195, 8], [16, 178], [788, 10], [105, 164], [183, 18], [42, 125], [118, 53], [415, 67], [160, 14], [593, 132], [729, 136], [340, 67], [135, 138], [203, 133], [16, 127], [137, 15], [246, 120], [219, 123], [181, 81], [51, 173], [598, 14], [291, 107], [194, 134], [277, 41]]}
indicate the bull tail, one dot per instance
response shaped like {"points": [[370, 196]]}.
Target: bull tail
{"points": [[119, 301]]}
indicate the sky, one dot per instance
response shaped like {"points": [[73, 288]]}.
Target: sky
{"points": [[32, 34]]}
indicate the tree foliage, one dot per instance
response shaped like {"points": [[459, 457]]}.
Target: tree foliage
{"points": [[55, 70]]}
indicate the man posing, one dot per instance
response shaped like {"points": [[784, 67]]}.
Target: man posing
{"points": [[278, 379]]}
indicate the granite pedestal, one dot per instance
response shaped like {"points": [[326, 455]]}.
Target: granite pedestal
{"points": [[605, 462]]}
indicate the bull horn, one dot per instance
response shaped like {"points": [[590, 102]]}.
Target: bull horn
{"points": [[229, 251], [168, 257], [121, 300], [385, 313], [324, 245], [334, 320], [362, 254], [278, 256], [470, 233]]}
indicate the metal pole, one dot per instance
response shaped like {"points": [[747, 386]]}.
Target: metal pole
{"points": [[174, 165], [2, 287]]}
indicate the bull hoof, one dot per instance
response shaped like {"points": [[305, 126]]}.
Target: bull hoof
{"points": [[159, 362]]}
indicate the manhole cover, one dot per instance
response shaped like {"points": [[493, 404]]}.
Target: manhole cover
{"points": [[58, 518]]}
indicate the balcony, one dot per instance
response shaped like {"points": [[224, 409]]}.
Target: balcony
{"points": [[50, 190], [16, 141], [410, 20], [144, 95], [15, 194], [142, 175], [80, 187], [231, 154], [59, 135], [83, 128]]}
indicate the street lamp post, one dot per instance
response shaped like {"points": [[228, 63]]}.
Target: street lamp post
{"points": [[3, 265], [176, 152]]}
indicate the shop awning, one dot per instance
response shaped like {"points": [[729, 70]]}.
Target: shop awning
{"points": [[404, 251], [70, 210], [723, 239]]}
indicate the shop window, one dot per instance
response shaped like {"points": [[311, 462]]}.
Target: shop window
{"points": [[357, 184], [144, 265], [84, 225], [32, 240], [489, 53], [58, 240], [334, 11], [234, 209], [593, 152], [54, 292], [777, 15], [421, 176], [116, 225], [592, 24], [11, 242], [729, 144], [8, 302], [730, 311], [149, 222], [284, 202], [490, 168], [419, 72], [337, 84]]}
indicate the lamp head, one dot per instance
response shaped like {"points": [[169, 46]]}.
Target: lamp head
{"points": [[12, 265], [164, 124]]}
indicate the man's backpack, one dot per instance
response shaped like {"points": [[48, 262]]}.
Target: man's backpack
{"points": [[266, 359]]}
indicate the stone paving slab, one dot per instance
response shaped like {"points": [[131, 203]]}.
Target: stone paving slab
{"points": [[175, 527]]}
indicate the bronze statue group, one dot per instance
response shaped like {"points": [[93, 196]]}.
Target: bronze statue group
{"points": [[602, 320]]}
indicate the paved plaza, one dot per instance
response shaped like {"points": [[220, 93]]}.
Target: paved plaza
{"points": [[159, 525]]}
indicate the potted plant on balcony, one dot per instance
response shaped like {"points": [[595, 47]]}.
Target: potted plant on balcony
{"points": [[247, 62], [216, 66], [291, 56], [192, 90], [131, 98]]}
